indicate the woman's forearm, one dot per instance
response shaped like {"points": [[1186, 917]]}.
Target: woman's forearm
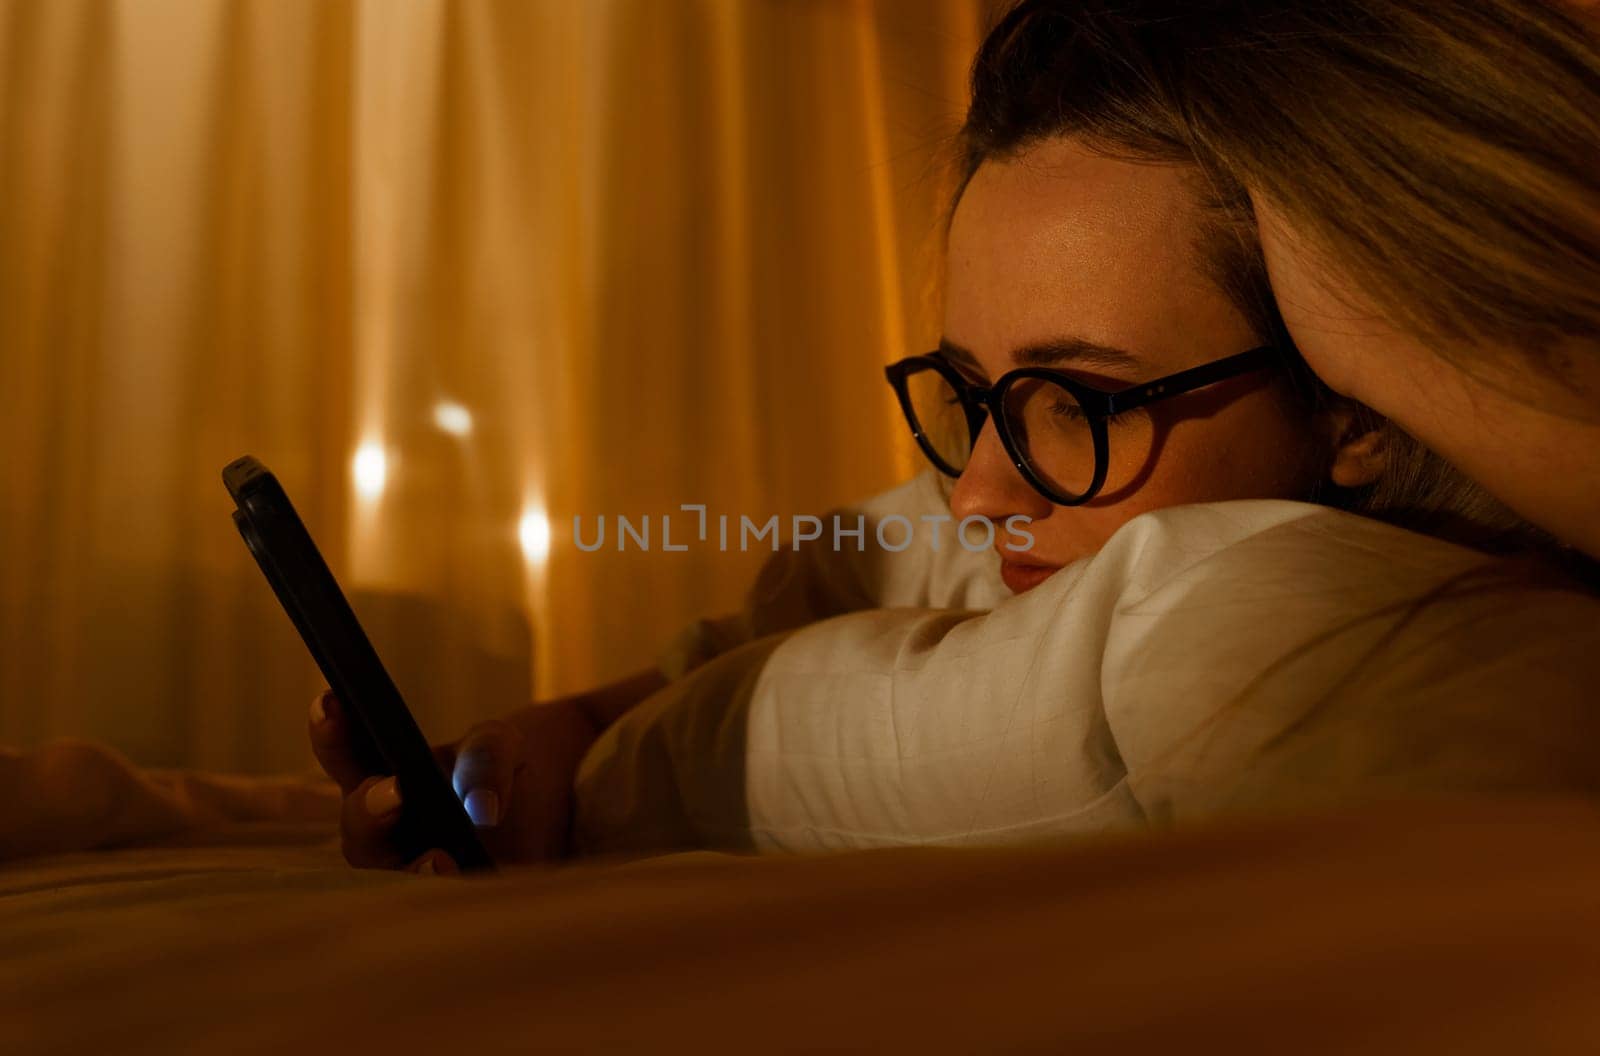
{"points": [[603, 705]]}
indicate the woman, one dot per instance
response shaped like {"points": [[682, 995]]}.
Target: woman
{"points": [[1102, 243]]}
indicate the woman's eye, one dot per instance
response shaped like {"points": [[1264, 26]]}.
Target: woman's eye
{"points": [[1068, 409], [1125, 417], [1071, 411]]}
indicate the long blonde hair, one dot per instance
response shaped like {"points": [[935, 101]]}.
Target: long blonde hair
{"points": [[1446, 155]]}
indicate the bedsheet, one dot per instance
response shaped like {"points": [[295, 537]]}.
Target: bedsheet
{"points": [[1431, 927]]}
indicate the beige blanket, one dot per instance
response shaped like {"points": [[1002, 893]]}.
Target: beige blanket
{"points": [[80, 796], [1443, 928]]}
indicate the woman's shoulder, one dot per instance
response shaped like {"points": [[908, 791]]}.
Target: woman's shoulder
{"points": [[1227, 591], [1279, 654]]}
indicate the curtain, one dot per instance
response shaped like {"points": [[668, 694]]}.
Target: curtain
{"points": [[459, 273]]}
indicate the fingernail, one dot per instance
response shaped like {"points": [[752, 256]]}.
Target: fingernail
{"points": [[483, 807], [428, 868], [383, 798]]}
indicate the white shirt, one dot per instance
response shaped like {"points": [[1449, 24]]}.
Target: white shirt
{"points": [[1221, 657]]}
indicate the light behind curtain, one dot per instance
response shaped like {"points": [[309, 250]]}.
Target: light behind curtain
{"points": [[457, 271]]}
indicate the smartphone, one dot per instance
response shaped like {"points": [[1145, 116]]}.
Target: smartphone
{"points": [[385, 736]]}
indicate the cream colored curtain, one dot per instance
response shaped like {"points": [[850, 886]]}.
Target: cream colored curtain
{"points": [[457, 271]]}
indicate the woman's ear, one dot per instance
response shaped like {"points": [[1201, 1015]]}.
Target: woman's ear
{"points": [[1358, 445]]}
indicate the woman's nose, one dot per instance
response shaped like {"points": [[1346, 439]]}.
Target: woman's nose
{"points": [[991, 487]]}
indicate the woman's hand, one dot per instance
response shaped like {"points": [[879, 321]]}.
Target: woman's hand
{"points": [[1541, 462], [514, 776]]}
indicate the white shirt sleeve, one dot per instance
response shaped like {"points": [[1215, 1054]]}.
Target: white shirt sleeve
{"points": [[1233, 656], [907, 554]]}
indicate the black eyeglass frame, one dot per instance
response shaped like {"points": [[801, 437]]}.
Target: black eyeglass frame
{"points": [[980, 401]]}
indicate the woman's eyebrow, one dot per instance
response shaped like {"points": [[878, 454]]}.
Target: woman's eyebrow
{"points": [[1052, 353], [960, 356]]}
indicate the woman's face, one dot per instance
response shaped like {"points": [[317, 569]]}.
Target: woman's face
{"points": [[1067, 259]]}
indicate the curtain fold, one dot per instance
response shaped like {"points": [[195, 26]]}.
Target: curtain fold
{"points": [[459, 271]]}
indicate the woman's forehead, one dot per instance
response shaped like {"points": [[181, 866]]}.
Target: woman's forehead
{"points": [[1063, 242]]}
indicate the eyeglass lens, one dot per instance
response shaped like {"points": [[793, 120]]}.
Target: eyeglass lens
{"points": [[1046, 423], [940, 417]]}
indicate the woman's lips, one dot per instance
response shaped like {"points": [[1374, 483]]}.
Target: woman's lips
{"points": [[1021, 577]]}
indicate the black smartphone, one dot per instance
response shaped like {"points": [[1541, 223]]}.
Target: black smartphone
{"points": [[384, 736]]}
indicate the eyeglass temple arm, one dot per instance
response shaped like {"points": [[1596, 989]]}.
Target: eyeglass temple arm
{"points": [[1191, 379]]}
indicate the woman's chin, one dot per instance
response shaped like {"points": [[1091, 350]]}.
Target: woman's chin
{"points": [[1021, 578]]}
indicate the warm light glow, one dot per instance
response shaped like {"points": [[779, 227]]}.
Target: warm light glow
{"points": [[533, 532], [371, 467], [452, 418]]}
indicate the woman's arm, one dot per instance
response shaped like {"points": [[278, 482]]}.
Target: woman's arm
{"points": [[1539, 458], [605, 704], [898, 725], [1243, 655]]}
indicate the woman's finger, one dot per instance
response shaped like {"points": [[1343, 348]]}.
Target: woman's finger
{"points": [[434, 863], [331, 742], [485, 764], [366, 822]]}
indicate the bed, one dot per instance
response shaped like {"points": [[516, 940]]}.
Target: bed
{"points": [[165, 912]]}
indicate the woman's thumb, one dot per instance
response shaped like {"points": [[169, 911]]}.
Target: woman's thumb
{"points": [[486, 762]]}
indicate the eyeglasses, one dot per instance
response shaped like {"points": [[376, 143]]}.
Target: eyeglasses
{"points": [[1053, 427]]}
